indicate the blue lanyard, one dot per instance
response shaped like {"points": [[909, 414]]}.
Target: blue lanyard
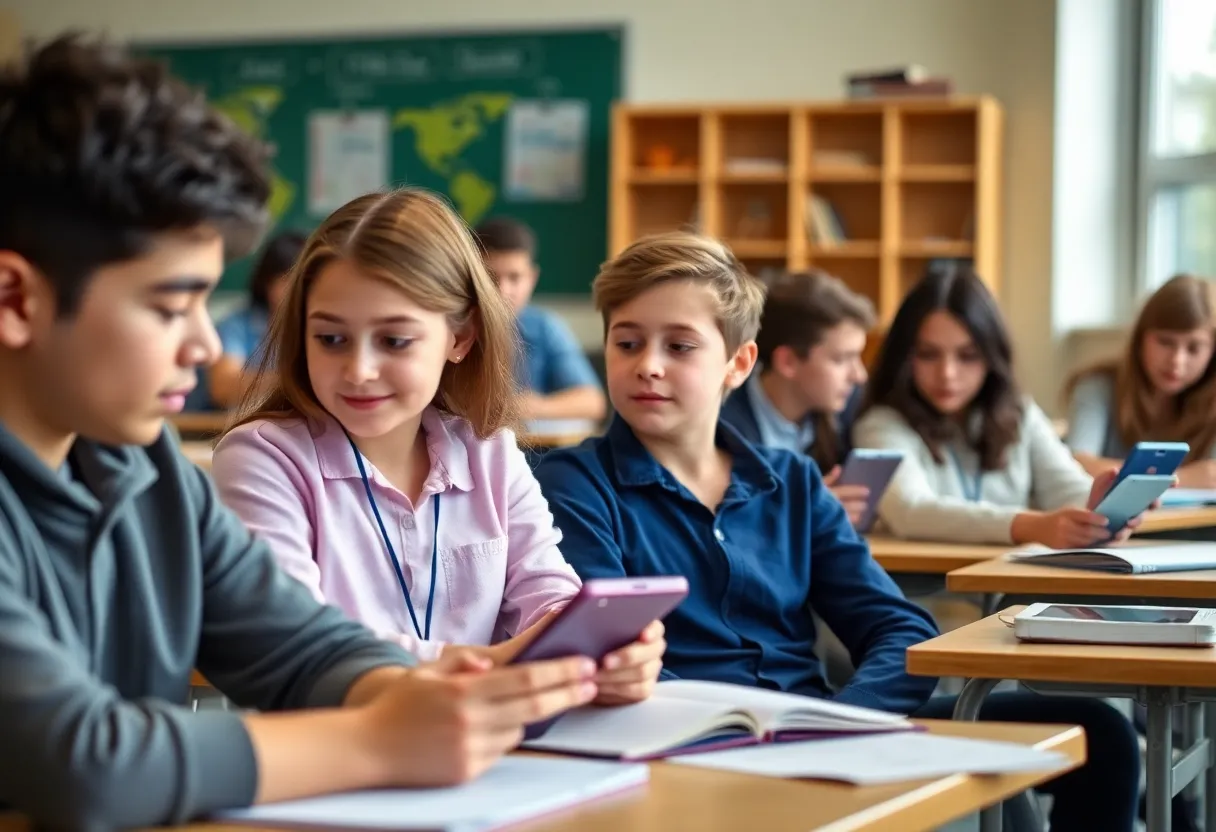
{"points": [[425, 635], [972, 486]]}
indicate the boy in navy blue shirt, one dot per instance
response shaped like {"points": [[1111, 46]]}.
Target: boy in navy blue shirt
{"points": [[672, 489]]}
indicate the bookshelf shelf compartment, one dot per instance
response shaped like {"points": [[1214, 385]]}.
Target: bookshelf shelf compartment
{"points": [[933, 213], [754, 213], [858, 206], [938, 138], [862, 275], [846, 173], [755, 146], [664, 177], [848, 249], [666, 144], [845, 139], [758, 249], [656, 208]]}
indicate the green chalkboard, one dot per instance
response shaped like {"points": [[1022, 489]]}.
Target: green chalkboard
{"points": [[494, 121]]}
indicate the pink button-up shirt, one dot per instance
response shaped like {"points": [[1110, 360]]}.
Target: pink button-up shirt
{"points": [[499, 568]]}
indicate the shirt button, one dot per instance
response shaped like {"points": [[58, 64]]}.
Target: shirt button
{"points": [[407, 522], [718, 534]]}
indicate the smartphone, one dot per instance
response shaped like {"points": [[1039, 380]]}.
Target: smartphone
{"points": [[607, 614], [1132, 496], [874, 469], [1153, 458]]}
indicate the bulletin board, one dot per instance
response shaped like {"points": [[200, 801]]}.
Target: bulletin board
{"points": [[513, 123]]}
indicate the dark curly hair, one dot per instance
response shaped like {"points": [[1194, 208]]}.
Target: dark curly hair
{"points": [[958, 291], [100, 151]]}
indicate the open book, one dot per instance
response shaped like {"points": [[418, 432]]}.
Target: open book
{"points": [[1131, 560], [685, 716]]}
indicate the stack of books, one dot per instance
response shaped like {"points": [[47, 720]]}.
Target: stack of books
{"points": [[912, 81]]}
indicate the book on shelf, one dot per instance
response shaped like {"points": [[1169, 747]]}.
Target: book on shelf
{"points": [[1132, 559], [842, 159], [687, 716], [754, 166], [823, 224]]}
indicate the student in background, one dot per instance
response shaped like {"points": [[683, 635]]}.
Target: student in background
{"points": [[805, 393], [1163, 388], [119, 568], [375, 455], [243, 330], [557, 378], [672, 489], [982, 463]]}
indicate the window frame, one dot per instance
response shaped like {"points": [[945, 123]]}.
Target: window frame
{"points": [[1156, 175]]}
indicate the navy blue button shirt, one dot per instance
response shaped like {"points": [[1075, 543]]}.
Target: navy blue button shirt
{"points": [[779, 545]]}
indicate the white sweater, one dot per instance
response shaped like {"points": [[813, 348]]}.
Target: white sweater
{"points": [[927, 499]]}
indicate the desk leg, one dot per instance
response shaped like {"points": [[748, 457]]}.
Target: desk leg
{"points": [[967, 709], [1159, 761], [1209, 780]]}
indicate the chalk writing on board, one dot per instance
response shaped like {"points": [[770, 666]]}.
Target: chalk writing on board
{"points": [[516, 59], [381, 66], [279, 70]]}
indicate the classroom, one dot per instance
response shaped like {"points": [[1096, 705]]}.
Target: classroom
{"points": [[786, 415]]}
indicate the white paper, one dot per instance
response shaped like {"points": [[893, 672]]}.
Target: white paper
{"points": [[515, 789], [348, 156], [885, 758], [546, 151]]}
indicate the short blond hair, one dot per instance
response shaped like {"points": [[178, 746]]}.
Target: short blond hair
{"points": [[682, 256]]}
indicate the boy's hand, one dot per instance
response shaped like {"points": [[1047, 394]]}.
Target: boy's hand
{"points": [[854, 498], [630, 674], [431, 728]]}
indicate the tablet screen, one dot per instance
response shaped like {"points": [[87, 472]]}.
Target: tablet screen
{"points": [[1123, 615]]}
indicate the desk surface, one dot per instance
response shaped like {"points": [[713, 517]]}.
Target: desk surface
{"points": [[680, 797], [924, 557], [1000, 575], [988, 649], [1178, 519]]}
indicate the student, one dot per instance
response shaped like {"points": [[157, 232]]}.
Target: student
{"points": [[243, 330], [982, 463], [672, 489], [1163, 389], [119, 569], [805, 393], [375, 456], [553, 370]]}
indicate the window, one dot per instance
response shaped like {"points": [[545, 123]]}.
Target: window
{"points": [[1177, 215]]}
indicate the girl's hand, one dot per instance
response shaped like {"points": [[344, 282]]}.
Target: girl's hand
{"points": [[629, 675]]}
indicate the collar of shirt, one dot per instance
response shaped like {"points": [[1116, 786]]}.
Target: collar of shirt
{"points": [[776, 431], [449, 456], [634, 466]]}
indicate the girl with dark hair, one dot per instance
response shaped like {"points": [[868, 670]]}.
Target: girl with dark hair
{"points": [[982, 463], [242, 331]]}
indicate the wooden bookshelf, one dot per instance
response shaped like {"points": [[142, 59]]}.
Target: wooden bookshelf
{"points": [[905, 182]]}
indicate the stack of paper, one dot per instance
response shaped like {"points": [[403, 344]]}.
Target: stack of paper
{"points": [[514, 790], [874, 759]]}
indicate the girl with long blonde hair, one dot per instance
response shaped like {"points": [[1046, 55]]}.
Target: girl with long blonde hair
{"points": [[376, 453]]}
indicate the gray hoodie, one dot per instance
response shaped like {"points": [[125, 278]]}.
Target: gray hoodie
{"points": [[118, 576]]}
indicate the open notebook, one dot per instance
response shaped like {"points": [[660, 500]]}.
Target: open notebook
{"points": [[684, 716], [1132, 560], [516, 789]]}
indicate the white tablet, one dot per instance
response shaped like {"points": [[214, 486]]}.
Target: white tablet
{"points": [[1098, 624]]}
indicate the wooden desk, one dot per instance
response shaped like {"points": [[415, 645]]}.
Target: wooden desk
{"points": [[1178, 519], [1046, 582], [987, 652], [681, 797], [198, 452], [926, 558], [203, 425]]}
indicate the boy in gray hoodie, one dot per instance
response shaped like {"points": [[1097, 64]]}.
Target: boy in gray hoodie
{"points": [[122, 193]]}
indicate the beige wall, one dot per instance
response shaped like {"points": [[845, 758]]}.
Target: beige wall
{"points": [[10, 35], [680, 50]]}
